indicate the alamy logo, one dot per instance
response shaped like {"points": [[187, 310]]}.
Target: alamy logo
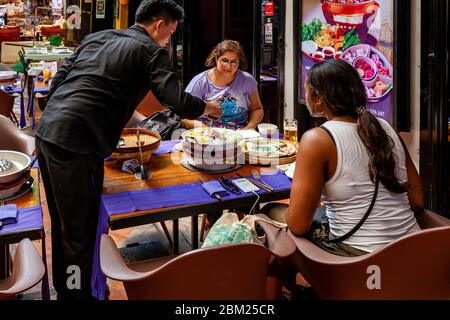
{"points": [[74, 278], [374, 280]]}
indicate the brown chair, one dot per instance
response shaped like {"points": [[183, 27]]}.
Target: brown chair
{"points": [[12, 138], [28, 270], [232, 271], [416, 266], [7, 105]]}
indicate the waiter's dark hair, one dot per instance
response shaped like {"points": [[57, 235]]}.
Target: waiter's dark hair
{"points": [[339, 86], [150, 11]]}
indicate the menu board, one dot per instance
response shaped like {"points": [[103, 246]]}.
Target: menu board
{"points": [[361, 32]]}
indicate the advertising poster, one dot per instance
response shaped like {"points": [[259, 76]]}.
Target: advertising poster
{"points": [[361, 32], [100, 9]]}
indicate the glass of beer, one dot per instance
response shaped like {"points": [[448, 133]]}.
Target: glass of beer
{"points": [[47, 73], [290, 130]]}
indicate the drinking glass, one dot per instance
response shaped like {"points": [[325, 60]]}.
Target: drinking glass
{"points": [[290, 130]]}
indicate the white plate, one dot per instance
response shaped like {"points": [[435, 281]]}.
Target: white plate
{"points": [[290, 170], [5, 75]]}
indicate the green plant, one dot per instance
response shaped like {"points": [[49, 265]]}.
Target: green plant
{"points": [[18, 67], [55, 40], [312, 30]]}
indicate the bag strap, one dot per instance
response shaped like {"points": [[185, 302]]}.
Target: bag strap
{"points": [[360, 223]]}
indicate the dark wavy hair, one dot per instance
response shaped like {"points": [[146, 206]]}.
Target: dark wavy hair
{"points": [[339, 86], [222, 48], [151, 10]]}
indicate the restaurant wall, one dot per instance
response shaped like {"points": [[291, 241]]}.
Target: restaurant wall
{"points": [[411, 138]]}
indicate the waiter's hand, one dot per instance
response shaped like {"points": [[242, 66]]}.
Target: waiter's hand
{"points": [[213, 110]]}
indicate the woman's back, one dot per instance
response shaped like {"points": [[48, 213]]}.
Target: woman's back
{"points": [[348, 193]]}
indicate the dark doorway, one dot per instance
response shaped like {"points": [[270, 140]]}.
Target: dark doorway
{"points": [[102, 21], [434, 115]]}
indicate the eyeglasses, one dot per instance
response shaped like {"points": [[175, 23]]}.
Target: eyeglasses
{"points": [[231, 63]]}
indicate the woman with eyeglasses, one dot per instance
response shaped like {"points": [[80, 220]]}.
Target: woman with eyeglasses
{"points": [[227, 83]]}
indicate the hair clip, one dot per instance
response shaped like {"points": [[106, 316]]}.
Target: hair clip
{"points": [[361, 110]]}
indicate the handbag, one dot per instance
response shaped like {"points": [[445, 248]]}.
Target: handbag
{"points": [[320, 230], [164, 122], [229, 229]]}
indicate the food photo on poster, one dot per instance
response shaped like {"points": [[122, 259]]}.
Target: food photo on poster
{"points": [[359, 32]]}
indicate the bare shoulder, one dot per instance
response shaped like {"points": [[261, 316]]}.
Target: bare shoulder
{"points": [[317, 137]]}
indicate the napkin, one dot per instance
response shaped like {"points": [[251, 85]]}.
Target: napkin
{"points": [[214, 188], [8, 214]]}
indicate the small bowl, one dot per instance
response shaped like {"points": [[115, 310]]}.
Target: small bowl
{"points": [[337, 55], [328, 51], [360, 63], [268, 130], [318, 55]]}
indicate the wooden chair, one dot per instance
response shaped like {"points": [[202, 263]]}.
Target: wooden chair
{"points": [[416, 266], [228, 272], [28, 270], [7, 105]]}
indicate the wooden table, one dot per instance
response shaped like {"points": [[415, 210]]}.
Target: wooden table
{"points": [[167, 171], [30, 199]]}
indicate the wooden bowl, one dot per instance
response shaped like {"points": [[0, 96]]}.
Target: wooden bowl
{"points": [[150, 141]]}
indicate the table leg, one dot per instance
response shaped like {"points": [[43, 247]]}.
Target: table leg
{"points": [[4, 261], [45, 283], [32, 109], [194, 231], [176, 242], [23, 122]]}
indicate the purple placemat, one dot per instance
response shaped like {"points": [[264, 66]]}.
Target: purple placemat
{"points": [[157, 198], [166, 147], [27, 218]]}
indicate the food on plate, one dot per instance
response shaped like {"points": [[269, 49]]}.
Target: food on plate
{"points": [[311, 31], [351, 38], [212, 136], [263, 147], [384, 70], [364, 68], [330, 36], [378, 90]]}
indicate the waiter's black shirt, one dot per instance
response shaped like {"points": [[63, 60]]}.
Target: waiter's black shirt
{"points": [[95, 93]]}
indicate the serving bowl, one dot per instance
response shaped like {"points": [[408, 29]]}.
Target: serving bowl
{"points": [[212, 148], [128, 147], [15, 166]]}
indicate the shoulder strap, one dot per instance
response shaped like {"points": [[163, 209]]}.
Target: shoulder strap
{"points": [[329, 133], [360, 223]]}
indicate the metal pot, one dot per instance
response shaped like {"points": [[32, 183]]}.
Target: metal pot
{"points": [[15, 165]]}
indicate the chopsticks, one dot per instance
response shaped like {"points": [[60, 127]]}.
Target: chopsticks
{"points": [[257, 183]]}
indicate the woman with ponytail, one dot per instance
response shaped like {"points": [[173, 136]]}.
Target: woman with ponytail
{"points": [[344, 161]]}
